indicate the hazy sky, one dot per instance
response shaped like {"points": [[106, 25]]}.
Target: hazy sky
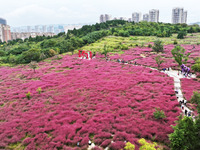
{"points": [[40, 12]]}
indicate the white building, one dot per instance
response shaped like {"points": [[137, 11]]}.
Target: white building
{"points": [[179, 15], [136, 17], [146, 17], [154, 15], [108, 17], [104, 18]]}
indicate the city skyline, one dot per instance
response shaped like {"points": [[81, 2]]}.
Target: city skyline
{"points": [[34, 12]]}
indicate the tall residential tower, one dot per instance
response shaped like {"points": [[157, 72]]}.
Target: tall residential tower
{"points": [[104, 18], [5, 34], [136, 17], [154, 15], [179, 15]]}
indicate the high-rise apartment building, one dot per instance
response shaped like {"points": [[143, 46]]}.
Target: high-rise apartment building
{"points": [[104, 18], [146, 17], [107, 17], [5, 34], [179, 15], [154, 15], [136, 17], [44, 28]]}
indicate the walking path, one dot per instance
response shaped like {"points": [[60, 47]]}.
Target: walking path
{"points": [[177, 87]]}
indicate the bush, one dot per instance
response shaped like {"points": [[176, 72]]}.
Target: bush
{"points": [[123, 47], [39, 90], [147, 146], [129, 146], [28, 95], [196, 66], [175, 42], [181, 34], [149, 46], [52, 52], [159, 114], [158, 46], [33, 65], [196, 99]]}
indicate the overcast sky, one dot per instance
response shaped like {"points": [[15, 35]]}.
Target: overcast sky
{"points": [[41, 12]]}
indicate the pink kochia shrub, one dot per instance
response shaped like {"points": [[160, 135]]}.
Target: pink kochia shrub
{"points": [[84, 100], [189, 86], [145, 56]]}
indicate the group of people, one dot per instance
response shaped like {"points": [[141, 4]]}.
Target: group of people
{"points": [[167, 69], [185, 70], [89, 143], [183, 104]]}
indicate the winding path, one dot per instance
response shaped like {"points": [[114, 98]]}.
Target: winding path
{"points": [[177, 87]]}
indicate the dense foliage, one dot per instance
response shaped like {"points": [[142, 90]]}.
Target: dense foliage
{"points": [[15, 51], [186, 134]]}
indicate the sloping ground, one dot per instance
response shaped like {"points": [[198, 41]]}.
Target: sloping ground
{"points": [[144, 56], [82, 100]]}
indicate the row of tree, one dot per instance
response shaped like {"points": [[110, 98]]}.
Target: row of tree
{"points": [[36, 49]]}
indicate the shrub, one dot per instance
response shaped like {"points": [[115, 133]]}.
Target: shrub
{"points": [[147, 146], [196, 99], [175, 42], [129, 146], [28, 95], [33, 65], [159, 114], [123, 47], [39, 90], [52, 52], [2, 53], [181, 34], [149, 46], [158, 46]]}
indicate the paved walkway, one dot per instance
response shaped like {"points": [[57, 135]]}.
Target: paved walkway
{"points": [[177, 86]]}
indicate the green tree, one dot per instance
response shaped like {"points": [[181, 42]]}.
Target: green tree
{"points": [[31, 55], [185, 135], [158, 46], [105, 51], [179, 54], [159, 61]]}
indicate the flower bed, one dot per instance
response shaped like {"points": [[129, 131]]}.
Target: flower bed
{"points": [[82, 100], [145, 56]]}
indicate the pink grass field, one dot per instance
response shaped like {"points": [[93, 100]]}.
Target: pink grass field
{"points": [[145, 56], [82, 100]]}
